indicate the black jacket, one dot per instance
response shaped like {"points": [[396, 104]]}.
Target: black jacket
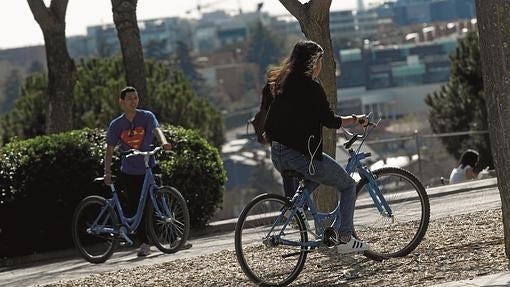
{"points": [[296, 116]]}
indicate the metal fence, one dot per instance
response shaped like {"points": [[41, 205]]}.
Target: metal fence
{"points": [[423, 154]]}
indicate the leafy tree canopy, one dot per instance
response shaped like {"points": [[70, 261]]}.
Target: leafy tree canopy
{"points": [[96, 101], [460, 104]]}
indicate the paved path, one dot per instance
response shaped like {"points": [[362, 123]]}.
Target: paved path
{"points": [[449, 200], [76, 267]]}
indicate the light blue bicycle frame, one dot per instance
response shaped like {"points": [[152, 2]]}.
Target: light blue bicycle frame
{"points": [[303, 198], [131, 223]]}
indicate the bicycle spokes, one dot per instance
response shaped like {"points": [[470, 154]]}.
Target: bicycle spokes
{"points": [[168, 223], [95, 229], [269, 241], [396, 230]]}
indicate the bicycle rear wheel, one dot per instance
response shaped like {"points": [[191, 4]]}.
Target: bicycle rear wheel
{"points": [[263, 258], [93, 228], [168, 225], [399, 234]]}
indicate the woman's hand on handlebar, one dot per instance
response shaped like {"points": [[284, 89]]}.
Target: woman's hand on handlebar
{"points": [[361, 119]]}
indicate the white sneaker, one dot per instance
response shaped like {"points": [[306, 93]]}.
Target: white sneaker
{"points": [[144, 250], [354, 245]]}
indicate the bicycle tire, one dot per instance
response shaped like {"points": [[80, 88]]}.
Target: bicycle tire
{"points": [[266, 269], [168, 231], [403, 233], [95, 248]]}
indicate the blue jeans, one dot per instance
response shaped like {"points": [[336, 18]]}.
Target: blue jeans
{"points": [[326, 171], [290, 185]]}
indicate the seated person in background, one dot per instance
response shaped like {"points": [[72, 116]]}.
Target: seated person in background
{"points": [[464, 171]]}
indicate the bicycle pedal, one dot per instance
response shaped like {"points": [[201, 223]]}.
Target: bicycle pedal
{"points": [[124, 236], [124, 243]]}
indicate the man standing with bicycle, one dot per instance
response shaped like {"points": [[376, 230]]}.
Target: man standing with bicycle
{"points": [[134, 129]]}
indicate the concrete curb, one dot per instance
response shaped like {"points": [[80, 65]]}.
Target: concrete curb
{"points": [[493, 280], [228, 225], [19, 262], [462, 187]]}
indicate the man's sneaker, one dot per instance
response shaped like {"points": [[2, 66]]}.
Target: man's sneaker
{"points": [[354, 245], [186, 245], [144, 250]]}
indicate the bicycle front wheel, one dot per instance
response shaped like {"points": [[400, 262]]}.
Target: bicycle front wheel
{"points": [[168, 223], [262, 254], [94, 229], [399, 233]]}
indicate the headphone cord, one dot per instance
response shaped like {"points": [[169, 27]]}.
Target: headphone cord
{"points": [[311, 168]]}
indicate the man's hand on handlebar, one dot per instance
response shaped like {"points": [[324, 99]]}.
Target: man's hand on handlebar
{"points": [[167, 146]]}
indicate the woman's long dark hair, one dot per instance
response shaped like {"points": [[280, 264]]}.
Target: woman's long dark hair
{"points": [[468, 157], [300, 62]]}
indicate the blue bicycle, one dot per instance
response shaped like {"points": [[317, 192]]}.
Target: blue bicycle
{"points": [[97, 230], [272, 233]]}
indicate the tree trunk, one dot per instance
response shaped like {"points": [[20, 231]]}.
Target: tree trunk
{"points": [[494, 28], [124, 17], [61, 68], [313, 18]]}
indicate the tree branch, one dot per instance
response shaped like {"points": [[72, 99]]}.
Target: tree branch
{"points": [[58, 8], [322, 5], [319, 7], [41, 13], [295, 8], [116, 4]]}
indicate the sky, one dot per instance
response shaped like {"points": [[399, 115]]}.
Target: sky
{"points": [[18, 27]]}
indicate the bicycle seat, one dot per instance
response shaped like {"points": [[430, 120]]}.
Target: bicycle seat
{"points": [[293, 173]]}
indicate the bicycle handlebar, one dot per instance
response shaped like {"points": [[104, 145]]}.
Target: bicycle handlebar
{"points": [[356, 136], [134, 152]]}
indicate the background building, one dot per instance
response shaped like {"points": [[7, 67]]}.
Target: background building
{"points": [[407, 12], [396, 65]]}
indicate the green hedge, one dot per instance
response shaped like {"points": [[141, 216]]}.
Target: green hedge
{"points": [[44, 178], [197, 172]]}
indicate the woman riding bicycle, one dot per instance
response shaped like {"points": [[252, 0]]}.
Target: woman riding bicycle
{"points": [[293, 125]]}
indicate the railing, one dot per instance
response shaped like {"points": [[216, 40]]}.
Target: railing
{"points": [[433, 161]]}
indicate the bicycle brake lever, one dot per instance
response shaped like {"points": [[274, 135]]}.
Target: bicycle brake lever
{"points": [[347, 132], [349, 143]]}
